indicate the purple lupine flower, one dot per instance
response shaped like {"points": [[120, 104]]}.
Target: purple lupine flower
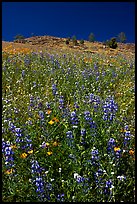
{"points": [[82, 181], [127, 134], [12, 127], [60, 197], [83, 134], [37, 179], [111, 145], [108, 188], [98, 176], [61, 102], [78, 178], [70, 138], [19, 136], [8, 154], [118, 153], [23, 73], [121, 178], [54, 89], [109, 109], [27, 144], [32, 101], [94, 154], [74, 119], [48, 105], [41, 114]]}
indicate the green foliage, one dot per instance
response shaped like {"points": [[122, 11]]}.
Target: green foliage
{"points": [[74, 40], [45, 113], [122, 37], [19, 37], [112, 43], [81, 41], [91, 37]]}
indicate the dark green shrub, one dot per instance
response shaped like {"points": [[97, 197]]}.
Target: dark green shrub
{"points": [[74, 40], [112, 43], [19, 37], [67, 41], [82, 42]]}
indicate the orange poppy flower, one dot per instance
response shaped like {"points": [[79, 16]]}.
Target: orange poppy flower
{"points": [[48, 111], [55, 119], [131, 152]]}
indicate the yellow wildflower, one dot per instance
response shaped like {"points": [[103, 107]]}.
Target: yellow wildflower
{"points": [[49, 153], [51, 122], [30, 152], [9, 171], [13, 146], [29, 118], [116, 149], [55, 144], [47, 144], [23, 155]]}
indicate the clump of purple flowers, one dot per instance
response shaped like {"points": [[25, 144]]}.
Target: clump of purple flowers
{"points": [[109, 109], [94, 157], [61, 102], [74, 119], [60, 197], [25, 143], [8, 154], [37, 179], [127, 135], [83, 134], [54, 89], [111, 145], [108, 187], [89, 120], [82, 181], [70, 138]]}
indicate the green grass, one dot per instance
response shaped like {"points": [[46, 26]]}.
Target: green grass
{"points": [[45, 118]]}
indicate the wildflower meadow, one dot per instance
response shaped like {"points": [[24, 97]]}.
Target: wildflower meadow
{"points": [[68, 127]]}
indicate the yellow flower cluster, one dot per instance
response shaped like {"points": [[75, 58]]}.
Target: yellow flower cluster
{"points": [[51, 122]]}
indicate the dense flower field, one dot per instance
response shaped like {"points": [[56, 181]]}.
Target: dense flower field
{"points": [[68, 131]]}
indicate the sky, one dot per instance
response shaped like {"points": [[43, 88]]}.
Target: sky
{"points": [[65, 19]]}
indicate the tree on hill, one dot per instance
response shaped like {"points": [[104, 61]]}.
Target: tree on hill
{"points": [[121, 37], [19, 37], [74, 40], [91, 37]]}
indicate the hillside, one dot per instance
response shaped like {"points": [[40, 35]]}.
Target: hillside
{"points": [[56, 44]]}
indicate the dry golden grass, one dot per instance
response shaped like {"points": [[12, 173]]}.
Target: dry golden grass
{"points": [[58, 45]]}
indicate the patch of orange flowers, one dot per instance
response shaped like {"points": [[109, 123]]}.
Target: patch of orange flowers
{"points": [[11, 50], [87, 60]]}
